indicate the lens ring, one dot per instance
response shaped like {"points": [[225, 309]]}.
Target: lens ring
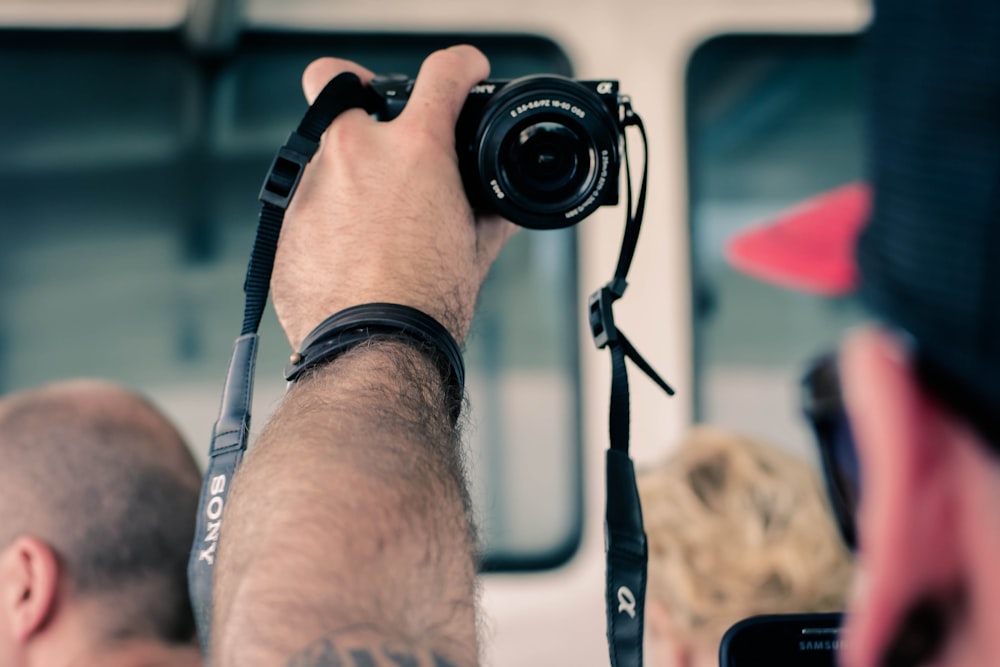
{"points": [[547, 151]]}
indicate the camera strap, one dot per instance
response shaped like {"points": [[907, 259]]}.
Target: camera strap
{"points": [[232, 428], [625, 538]]}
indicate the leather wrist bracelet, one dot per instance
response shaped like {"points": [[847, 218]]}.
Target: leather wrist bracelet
{"points": [[359, 324]]}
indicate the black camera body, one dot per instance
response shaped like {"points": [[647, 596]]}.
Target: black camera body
{"points": [[543, 151]]}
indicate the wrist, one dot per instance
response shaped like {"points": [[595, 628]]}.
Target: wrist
{"points": [[368, 325], [384, 384]]}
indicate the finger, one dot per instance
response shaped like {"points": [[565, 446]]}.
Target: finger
{"points": [[320, 72], [443, 84]]}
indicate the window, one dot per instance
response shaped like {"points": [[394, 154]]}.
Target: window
{"points": [[772, 120], [129, 176]]}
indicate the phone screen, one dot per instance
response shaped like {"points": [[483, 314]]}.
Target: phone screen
{"points": [[788, 640]]}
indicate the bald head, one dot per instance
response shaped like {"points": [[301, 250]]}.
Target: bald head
{"points": [[96, 472]]}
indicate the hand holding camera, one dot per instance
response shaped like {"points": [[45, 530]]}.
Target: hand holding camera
{"points": [[381, 213], [542, 151], [407, 211]]}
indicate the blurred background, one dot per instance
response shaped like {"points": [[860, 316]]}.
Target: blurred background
{"points": [[135, 135]]}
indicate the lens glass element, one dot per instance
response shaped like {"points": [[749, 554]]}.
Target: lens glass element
{"points": [[543, 151], [547, 162]]}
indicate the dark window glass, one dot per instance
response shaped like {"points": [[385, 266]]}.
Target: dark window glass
{"points": [[772, 121]]}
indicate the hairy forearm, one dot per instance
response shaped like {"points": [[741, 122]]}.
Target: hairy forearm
{"points": [[348, 526]]}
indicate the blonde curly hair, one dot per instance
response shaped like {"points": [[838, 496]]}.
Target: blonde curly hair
{"points": [[738, 528]]}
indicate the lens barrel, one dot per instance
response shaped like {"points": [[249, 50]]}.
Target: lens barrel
{"points": [[546, 151]]}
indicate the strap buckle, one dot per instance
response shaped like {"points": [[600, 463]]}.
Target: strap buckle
{"points": [[627, 115], [286, 170], [602, 319]]}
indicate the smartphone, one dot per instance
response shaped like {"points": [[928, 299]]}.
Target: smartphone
{"points": [[784, 640]]}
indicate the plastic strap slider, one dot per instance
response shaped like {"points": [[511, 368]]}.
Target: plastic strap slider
{"points": [[286, 170], [602, 319]]}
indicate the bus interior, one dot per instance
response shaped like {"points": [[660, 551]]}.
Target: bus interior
{"points": [[135, 135]]}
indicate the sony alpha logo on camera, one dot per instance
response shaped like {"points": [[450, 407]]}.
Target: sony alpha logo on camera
{"points": [[543, 151]]}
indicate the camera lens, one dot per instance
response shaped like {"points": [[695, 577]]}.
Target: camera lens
{"points": [[545, 151], [548, 161]]}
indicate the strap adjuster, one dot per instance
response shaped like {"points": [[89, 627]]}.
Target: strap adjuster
{"points": [[602, 319], [286, 170]]}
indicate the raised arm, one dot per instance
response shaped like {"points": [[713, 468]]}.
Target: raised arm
{"points": [[347, 538]]}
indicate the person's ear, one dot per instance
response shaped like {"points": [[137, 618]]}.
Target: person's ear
{"points": [[909, 561], [29, 583]]}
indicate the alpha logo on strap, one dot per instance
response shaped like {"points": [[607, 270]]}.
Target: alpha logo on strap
{"points": [[626, 601]]}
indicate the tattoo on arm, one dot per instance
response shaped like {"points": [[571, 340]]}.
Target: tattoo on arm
{"points": [[324, 653]]}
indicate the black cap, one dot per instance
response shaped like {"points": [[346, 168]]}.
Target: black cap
{"points": [[929, 257]]}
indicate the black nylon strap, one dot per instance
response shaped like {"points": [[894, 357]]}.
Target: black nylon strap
{"points": [[625, 539], [626, 561], [232, 428], [634, 222], [229, 439], [342, 93]]}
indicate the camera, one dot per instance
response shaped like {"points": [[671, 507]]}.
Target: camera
{"points": [[542, 151]]}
